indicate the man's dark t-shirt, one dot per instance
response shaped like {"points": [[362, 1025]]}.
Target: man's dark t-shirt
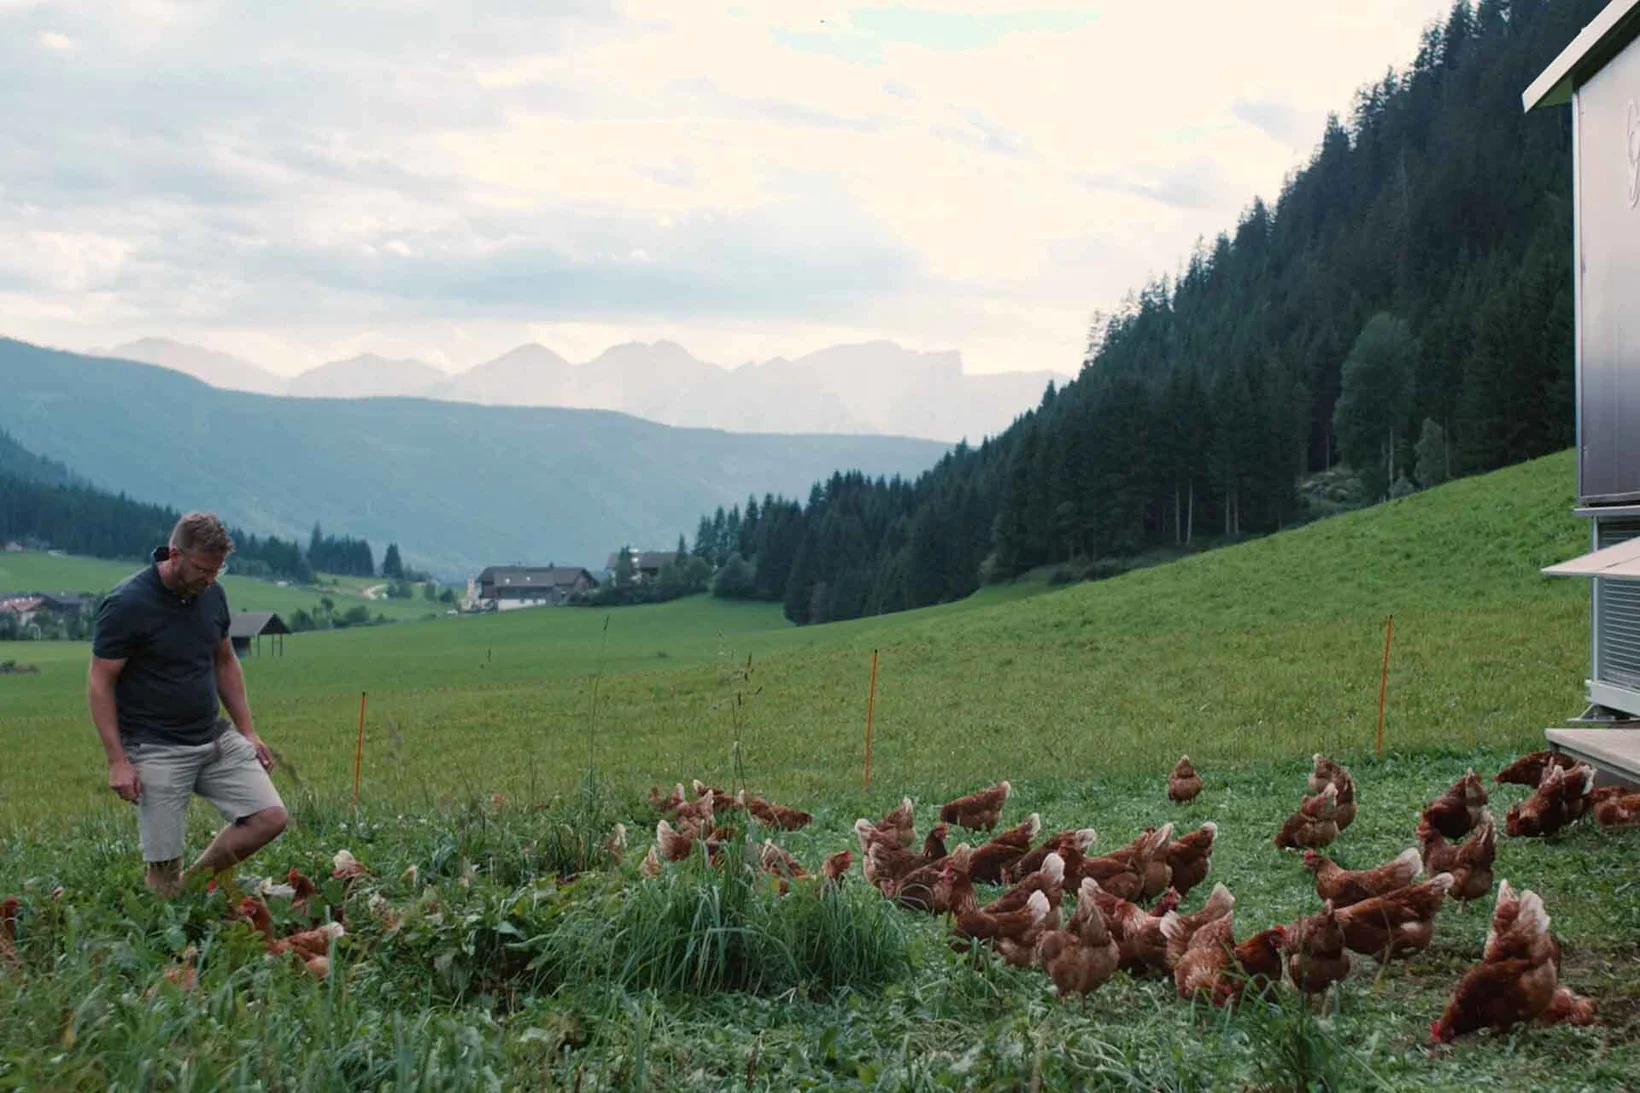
{"points": [[166, 694]]}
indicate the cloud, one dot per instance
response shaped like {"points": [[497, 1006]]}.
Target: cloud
{"points": [[982, 134], [285, 179], [1280, 119], [861, 35], [1197, 184], [728, 265], [61, 261]]}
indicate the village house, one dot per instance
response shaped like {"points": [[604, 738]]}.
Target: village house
{"points": [[512, 586], [26, 605]]}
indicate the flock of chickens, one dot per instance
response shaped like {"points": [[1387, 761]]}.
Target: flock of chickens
{"points": [[1126, 911], [1383, 913]]}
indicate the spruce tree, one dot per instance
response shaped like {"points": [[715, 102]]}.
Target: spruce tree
{"points": [[1375, 398]]}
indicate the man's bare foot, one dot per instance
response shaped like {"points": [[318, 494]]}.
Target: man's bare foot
{"points": [[164, 878]]}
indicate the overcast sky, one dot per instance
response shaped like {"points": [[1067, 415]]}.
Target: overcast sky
{"points": [[300, 181]]}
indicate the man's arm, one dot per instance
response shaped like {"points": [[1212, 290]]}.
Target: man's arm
{"points": [[99, 696], [230, 686]]}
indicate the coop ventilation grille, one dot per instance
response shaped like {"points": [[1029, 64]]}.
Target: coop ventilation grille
{"points": [[1617, 614]]}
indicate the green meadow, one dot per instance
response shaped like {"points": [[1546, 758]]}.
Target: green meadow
{"points": [[500, 751], [1270, 649]]}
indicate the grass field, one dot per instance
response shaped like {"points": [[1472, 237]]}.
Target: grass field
{"points": [[1249, 658], [36, 571], [1269, 649]]}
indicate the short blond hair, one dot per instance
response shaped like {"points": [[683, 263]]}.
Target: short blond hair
{"points": [[202, 531]]}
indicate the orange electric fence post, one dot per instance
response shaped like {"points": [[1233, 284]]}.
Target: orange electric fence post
{"points": [[1383, 683], [871, 706], [358, 752]]}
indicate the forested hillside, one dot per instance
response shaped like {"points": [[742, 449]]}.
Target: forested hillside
{"points": [[43, 504], [19, 463], [1404, 308]]}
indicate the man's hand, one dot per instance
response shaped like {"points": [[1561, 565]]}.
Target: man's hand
{"points": [[122, 779], [264, 754]]}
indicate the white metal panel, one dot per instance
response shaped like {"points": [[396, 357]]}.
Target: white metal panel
{"points": [[1612, 697], [1607, 215]]}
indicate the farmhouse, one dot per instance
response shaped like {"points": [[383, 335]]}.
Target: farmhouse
{"points": [[246, 627], [1597, 75], [26, 605], [508, 587]]}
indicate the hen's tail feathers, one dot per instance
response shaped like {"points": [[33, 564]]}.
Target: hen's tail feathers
{"points": [[1411, 858]]}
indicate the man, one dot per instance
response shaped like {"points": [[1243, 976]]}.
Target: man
{"points": [[162, 666]]}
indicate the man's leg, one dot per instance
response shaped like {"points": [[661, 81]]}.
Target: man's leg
{"points": [[167, 774], [236, 784], [240, 839]]}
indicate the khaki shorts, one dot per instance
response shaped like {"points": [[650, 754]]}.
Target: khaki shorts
{"points": [[225, 772]]}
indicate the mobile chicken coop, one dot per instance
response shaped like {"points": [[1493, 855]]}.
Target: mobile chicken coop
{"points": [[1599, 76]]}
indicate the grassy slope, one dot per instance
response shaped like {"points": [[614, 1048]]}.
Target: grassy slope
{"points": [[1268, 649], [35, 571]]}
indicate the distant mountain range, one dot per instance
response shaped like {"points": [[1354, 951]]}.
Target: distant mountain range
{"points": [[873, 387], [458, 486]]}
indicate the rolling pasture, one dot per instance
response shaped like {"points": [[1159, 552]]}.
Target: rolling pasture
{"points": [[1248, 658], [34, 571]]}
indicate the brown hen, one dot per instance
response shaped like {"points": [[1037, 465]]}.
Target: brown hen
{"points": [[980, 811], [1528, 769], [1397, 923], [1455, 812], [1317, 955], [1184, 783], [1314, 825], [1189, 857], [1469, 862], [1344, 887]]}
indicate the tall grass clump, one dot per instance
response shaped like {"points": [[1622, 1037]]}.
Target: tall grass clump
{"points": [[841, 937], [575, 836], [1295, 1052], [703, 928]]}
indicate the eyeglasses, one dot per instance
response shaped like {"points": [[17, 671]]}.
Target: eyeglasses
{"points": [[205, 571]]}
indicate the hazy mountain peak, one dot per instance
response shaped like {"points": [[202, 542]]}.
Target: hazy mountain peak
{"points": [[876, 386], [877, 356], [533, 353], [152, 345], [365, 375], [206, 365], [528, 375], [376, 360], [655, 353]]}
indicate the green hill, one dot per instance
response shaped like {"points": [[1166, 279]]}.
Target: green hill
{"points": [[458, 486], [1268, 649]]}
